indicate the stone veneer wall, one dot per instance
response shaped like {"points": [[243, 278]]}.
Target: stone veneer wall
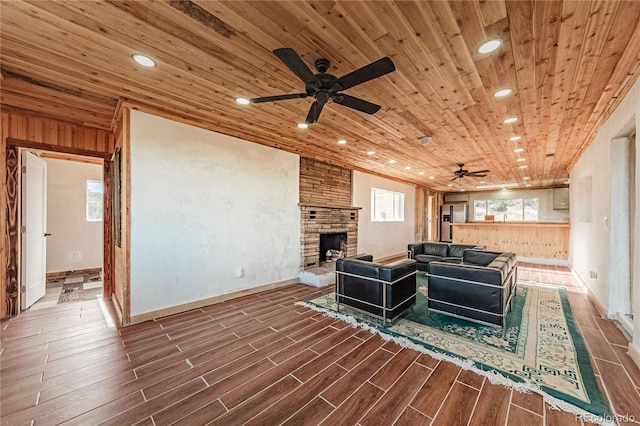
{"points": [[325, 207], [324, 184]]}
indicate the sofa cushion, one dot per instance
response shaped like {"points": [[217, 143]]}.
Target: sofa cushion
{"points": [[435, 249], [456, 250], [395, 270], [479, 257], [426, 258]]}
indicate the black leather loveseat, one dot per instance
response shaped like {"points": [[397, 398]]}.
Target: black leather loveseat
{"points": [[478, 289], [425, 253], [385, 291]]}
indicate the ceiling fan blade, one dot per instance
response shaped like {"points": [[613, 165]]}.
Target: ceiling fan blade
{"points": [[475, 175], [455, 177], [356, 103], [479, 171], [278, 98], [314, 112], [295, 64], [368, 72]]}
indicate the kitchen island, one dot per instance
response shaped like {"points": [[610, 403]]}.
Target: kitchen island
{"points": [[534, 240]]}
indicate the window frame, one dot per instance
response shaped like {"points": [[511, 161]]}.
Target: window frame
{"points": [[484, 206], [87, 216], [397, 205]]}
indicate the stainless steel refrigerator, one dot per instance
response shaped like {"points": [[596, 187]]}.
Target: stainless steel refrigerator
{"points": [[451, 213]]}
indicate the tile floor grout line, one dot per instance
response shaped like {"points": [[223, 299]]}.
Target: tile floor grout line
{"points": [[473, 410]]}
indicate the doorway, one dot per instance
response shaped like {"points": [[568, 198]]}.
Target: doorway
{"points": [[622, 228], [71, 260]]}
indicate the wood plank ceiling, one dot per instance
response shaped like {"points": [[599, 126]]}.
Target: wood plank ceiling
{"points": [[569, 64]]}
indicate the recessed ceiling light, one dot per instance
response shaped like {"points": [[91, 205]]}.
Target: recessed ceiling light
{"points": [[489, 45], [407, 168], [482, 181], [371, 152], [523, 167], [432, 177], [518, 150], [420, 173], [302, 125], [521, 160], [462, 190], [502, 93], [528, 185], [392, 161], [143, 60], [243, 101], [510, 120], [515, 138], [450, 184], [526, 178], [566, 182], [342, 141]]}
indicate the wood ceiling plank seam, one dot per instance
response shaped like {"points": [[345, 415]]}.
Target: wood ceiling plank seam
{"points": [[428, 33], [405, 41], [130, 89], [35, 88], [126, 29], [521, 24], [492, 11], [365, 18], [79, 114], [548, 22], [65, 118], [574, 22], [617, 45], [595, 37], [52, 96]]}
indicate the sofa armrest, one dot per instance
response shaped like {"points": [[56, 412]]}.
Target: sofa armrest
{"points": [[467, 273], [361, 268], [393, 271], [478, 257], [413, 249]]}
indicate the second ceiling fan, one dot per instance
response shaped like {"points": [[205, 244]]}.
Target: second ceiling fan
{"points": [[323, 86]]}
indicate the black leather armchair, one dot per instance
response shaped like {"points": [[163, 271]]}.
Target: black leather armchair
{"points": [[385, 291], [479, 289]]}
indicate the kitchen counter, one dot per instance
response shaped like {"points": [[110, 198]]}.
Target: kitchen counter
{"points": [[547, 240]]}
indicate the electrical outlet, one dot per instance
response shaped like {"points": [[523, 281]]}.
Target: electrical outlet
{"points": [[593, 274], [77, 255], [239, 272]]}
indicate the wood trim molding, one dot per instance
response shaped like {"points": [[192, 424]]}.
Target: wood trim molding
{"points": [[12, 287], [57, 148], [147, 316], [634, 353]]}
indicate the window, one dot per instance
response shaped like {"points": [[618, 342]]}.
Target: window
{"points": [[514, 210], [387, 206], [94, 201]]}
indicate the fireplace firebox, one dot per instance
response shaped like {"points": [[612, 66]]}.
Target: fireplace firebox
{"points": [[332, 241]]}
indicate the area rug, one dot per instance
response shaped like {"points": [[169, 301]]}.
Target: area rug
{"points": [[541, 350]]}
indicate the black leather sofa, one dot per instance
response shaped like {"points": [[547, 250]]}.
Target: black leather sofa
{"points": [[385, 291], [478, 289], [425, 253]]}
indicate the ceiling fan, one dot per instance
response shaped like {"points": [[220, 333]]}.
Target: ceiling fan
{"points": [[460, 173], [323, 86]]}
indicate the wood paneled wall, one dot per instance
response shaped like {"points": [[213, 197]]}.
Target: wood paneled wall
{"points": [[122, 264], [422, 205], [323, 184], [40, 133]]}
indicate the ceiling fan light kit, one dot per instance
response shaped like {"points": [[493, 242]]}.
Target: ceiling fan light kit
{"points": [[324, 87]]}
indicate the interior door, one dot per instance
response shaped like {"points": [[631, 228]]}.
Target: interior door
{"points": [[34, 223]]}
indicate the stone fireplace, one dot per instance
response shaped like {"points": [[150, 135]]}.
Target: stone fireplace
{"points": [[323, 226]]}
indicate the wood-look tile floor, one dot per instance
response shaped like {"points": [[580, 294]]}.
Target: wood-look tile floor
{"points": [[262, 360]]}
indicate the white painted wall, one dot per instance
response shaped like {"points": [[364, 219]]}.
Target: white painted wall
{"points": [[545, 197], [202, 205], [590, 248], [75, 243], [382, 239]]}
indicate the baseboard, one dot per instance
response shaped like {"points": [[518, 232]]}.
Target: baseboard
{"points": [[64, 274], [591, 295], [544, 261], [634, 353], [172, 310]]}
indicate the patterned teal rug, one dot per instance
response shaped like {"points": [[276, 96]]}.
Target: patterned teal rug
{"points": [[541, 351]]}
